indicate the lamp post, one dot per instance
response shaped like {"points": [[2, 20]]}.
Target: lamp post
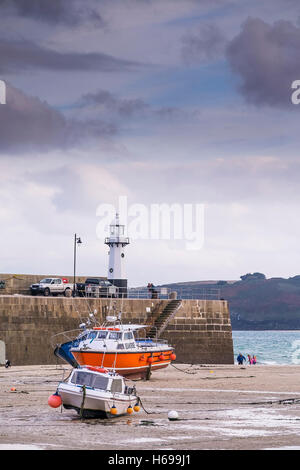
{"points": [[77, 241]]}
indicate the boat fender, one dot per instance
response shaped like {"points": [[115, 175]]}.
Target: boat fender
{"points": [[136, 407], [129, 410], [173, 357], [55, 400], [113, 410]]}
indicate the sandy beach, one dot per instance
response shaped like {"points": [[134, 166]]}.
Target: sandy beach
{"points": [[219, 407]]}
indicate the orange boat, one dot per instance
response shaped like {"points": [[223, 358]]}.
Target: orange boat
{"points": [[119, 348]]}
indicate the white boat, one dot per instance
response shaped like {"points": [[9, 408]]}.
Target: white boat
{"points": [[96, 393]]}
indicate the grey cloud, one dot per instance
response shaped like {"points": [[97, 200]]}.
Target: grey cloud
{"points": [[126, 107], [207, 43], [23, 55], [103, 102], [53, 11], [267, 60], [28, 124]]}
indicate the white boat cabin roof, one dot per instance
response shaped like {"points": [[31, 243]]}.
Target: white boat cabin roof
{"points": [[128, 327]]}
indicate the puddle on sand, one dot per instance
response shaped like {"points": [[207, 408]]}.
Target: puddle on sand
{"points": [[19, 447], [145, 422], [284, 448], [144, 440]]}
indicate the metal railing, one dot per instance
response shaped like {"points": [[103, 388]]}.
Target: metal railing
{"points": [[144, 293], [168, 293], [135, 293], [198, 294]]}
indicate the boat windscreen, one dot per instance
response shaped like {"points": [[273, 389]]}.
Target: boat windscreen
{"points": [[102, 334], [92, 335], [90, 380], [82, 378], [101, 382], [115, 335]]}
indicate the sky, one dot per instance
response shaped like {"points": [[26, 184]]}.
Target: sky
{"points": [[158, 103]]}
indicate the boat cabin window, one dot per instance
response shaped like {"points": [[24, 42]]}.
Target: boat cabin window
{"points": [[130, 345], [102, 334], [82, 378], [128, 335], [116, 386], [120, 346], [90, 380], [101, 382], [81, 337], [114, 335], [92, 335]]}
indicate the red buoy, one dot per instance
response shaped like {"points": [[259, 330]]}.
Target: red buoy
{"points": [[161, 357], [173, 357], [54, 400], [97, 369], [150, 359]]}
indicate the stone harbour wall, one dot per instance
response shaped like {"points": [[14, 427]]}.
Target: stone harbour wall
{"points": [[200, 331]]}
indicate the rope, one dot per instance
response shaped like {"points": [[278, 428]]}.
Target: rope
{"points": [[149, 412], [83, 400], [184, 371]]}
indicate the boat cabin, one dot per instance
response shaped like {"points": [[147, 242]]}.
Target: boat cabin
{"points": [[109, 338], [95, 380]]}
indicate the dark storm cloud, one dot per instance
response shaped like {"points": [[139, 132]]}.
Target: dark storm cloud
{"points": [[267, 60], [68, 12], [18, 55], [207, 43], [28, 124]]}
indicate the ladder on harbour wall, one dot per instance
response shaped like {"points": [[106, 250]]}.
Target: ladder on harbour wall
{"points": [[164, 318]]}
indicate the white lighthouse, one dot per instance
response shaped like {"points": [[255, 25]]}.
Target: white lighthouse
{"points": [[117, 242]]}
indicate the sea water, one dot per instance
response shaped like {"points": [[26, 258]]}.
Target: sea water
{"points": [[269, 347]]}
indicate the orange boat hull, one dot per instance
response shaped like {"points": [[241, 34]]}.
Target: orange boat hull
{"points": [[129, 364]]}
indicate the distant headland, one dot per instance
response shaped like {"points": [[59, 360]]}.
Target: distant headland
{"points": [[255, 302]]}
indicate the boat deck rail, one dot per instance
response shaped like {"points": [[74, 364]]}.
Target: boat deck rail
{"points": [[65, 336]]}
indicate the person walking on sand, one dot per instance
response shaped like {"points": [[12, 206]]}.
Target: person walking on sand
{"points": [[249, 359], [240, 359]]}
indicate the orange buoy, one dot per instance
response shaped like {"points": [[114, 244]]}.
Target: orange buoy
{"points": [[161, 357], [136, 407], [13, 389], [129, 410], [150, 359], [113, 410], [173, 357], [54, 400]]}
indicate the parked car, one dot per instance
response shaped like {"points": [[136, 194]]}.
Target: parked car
{"points": [[95, 287], [52, 286]]}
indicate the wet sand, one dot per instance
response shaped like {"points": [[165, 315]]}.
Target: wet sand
{"points": [[219, 407]]}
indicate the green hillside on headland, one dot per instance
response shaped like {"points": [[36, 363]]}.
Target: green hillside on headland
{"points": [[255, 303]]}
